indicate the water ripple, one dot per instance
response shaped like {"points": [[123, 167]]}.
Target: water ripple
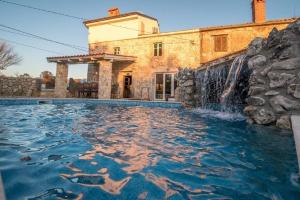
{"points": [[99, 152]]}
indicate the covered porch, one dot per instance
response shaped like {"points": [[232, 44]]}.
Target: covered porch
{"points": [[104, 64]]}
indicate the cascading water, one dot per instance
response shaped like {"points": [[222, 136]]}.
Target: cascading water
{"points": [[231, 81], [211, 84], [222, 88], [205, 88]]}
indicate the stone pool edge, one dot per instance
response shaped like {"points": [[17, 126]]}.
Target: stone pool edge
{"points": [[113, 102]]}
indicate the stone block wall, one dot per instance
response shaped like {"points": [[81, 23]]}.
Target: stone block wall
{"points": [[274, 93], [19, 87], [185, 91]]}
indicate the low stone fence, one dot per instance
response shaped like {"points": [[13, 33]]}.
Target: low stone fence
{"points": [[19, 87]]}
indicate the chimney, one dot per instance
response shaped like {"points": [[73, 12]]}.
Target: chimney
{"points": [[258, 11], [113, 12]]}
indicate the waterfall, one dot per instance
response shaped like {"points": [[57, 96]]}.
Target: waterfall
{"points": [[205, 88], [210, 84], [231, 81], [223, 86]]}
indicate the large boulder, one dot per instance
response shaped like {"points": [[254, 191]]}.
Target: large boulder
{"points": [[297, 91], [257, 61], [256, 101], [295, 27], [284, 122], [260, 115], [274, 38], [187, 83], [255, 90], [278, 79], [281, 104], [272, 93], [293, 63], [264, 116], [255, 46], [291, 52]]}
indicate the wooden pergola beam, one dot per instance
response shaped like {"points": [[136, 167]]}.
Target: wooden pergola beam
{"points": [[90, 58]]}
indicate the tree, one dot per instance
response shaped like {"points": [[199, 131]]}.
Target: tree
{"points": [[7, 56], [48, 79], [46, 76], [25, 76]]}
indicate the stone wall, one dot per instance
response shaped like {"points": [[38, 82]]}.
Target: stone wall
{"points": [[238, 37], [183, 48], [185, 91], [177, 51], [274, 93], [18, 86]]}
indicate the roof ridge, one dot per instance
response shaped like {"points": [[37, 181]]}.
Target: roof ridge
{"points": [[119, 16], [249, 23]]}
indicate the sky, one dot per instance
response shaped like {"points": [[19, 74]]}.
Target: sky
{"points": [[172, 15]]}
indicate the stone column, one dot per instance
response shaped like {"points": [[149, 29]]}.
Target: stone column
{"points": [[61, 80], [105, 79], [93, 72]]}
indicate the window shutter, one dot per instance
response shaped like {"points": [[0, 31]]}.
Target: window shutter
{"points": [[160, 49], [217, 43], [224, 43], [155, 49], [220, 43]]}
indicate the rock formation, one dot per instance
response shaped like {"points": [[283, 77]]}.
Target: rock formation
{"points": [[274, 93], [186, 87]]}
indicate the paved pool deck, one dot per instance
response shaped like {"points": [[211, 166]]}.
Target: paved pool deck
{"points": [[112, 102], [296, 130]]}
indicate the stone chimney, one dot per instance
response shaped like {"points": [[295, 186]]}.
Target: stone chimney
{"points": [[113, 12], [258, 11]]}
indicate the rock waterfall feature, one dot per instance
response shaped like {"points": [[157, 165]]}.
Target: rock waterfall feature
{"points": [[274, 93], [264, 80]]}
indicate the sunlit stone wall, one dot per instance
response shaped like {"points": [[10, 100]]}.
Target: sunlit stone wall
{"points": [[18, 86]]}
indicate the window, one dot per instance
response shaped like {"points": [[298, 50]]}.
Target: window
{"points": [[117, 50], [142, 29], [220, 43], [154, 30], [158, 49]]}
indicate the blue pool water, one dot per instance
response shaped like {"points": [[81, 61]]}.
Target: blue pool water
{"points": [[80, 151]]}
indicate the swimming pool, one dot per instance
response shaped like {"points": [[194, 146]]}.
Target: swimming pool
{"points": [[91, 151]]}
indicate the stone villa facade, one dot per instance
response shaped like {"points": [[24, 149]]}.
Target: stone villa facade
{"points": [[130, 58]]}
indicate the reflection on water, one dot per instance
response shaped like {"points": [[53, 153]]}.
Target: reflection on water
{"points": [[98, 180], [100, 152]]}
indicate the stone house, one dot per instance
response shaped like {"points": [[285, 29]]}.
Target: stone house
{"points": [[130, 58]]}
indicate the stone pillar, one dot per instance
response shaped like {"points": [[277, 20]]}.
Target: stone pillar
{"points": [[93, 72], [105, 79], [61, 80]]}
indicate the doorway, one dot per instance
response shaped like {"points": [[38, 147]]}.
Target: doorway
{"points": [[127, 93], [164, 86]]}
